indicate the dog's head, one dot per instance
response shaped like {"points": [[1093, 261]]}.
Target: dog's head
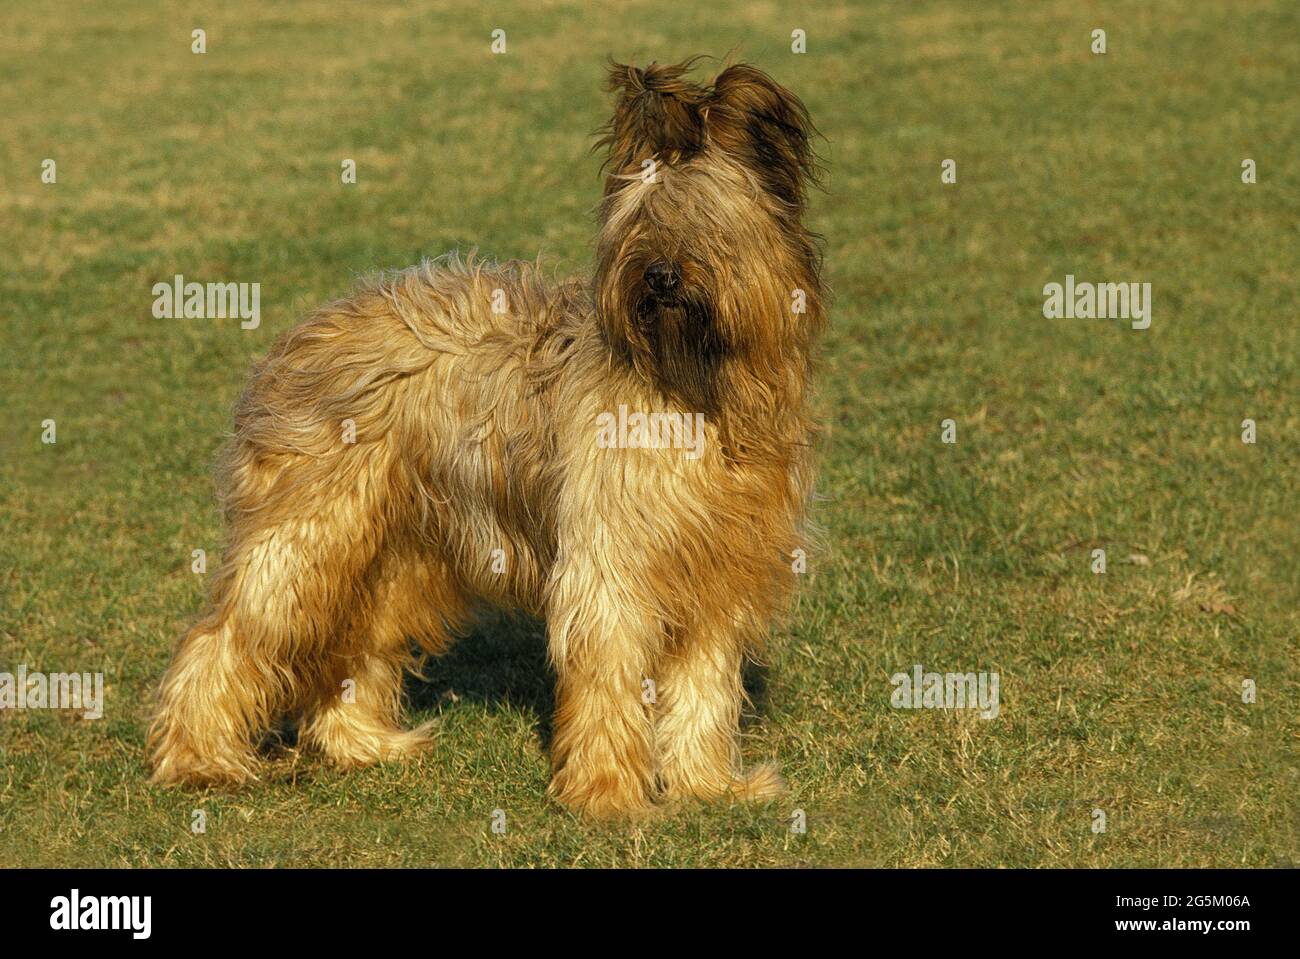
{"points": [[703, 255]]}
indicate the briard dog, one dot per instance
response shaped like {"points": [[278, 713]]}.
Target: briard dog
{"points": [[434, 443]]}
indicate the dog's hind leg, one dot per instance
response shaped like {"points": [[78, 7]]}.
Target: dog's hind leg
{"points": [[208, 709], [294, 565], [354, 717]]}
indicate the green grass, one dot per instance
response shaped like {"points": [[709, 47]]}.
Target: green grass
{"points": [[1119, 692]]}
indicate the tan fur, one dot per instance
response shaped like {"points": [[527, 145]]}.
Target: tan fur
{"points": [[476, 431]]}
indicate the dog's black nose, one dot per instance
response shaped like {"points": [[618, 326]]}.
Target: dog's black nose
{"points": [[661, 277]]}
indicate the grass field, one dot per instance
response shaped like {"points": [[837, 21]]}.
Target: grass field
{"points": [[1120, 692]]}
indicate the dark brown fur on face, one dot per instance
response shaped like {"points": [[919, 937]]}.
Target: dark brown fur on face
{"points": [[730, 163], [477, 473]]}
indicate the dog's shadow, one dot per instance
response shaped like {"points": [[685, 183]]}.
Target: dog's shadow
{"points": [[501, 662]]}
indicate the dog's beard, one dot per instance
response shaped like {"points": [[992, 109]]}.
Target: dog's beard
{"points": [[683, 347]]}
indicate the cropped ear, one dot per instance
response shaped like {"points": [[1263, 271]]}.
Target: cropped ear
{"points": [[657, 114], [753, 117]]}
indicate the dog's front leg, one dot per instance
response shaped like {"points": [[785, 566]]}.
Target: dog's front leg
{"points": [[700, 695], [603, 742]]}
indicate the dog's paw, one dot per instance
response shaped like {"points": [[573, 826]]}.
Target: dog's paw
{"points": [[761, 783], [181, 767], [601, 797], [349, 746]]}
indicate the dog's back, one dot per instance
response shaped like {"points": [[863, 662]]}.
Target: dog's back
{"points": [[427, 383]]}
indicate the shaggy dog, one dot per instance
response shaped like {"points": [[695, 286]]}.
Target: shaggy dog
{"points": [[627, 456]]}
